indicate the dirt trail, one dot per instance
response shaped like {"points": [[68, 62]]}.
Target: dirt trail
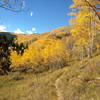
{"points": [[59, 91]]}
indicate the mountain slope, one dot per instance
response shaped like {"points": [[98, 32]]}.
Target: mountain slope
{"points": [[57, 76], [80, 81], [29, 37]]}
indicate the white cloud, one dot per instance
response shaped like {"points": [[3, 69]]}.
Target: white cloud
{"points": [[3, 28], [31, 14], [18, 31], [33, 30], [29, 32]]}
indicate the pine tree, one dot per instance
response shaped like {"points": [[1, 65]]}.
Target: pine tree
{"points": [[6, 46]]}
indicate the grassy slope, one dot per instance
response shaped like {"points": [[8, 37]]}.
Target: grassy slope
{"points": [[33, 37], [30, 37], [80, 81]]}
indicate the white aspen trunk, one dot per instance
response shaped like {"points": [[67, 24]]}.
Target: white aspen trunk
{"points": [[82, 53], [90, 38]]}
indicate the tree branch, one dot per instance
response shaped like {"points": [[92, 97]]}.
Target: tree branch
{"points": [[11, 9], [16, 7], [93, 8]]}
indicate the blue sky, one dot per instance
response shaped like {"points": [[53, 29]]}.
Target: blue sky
{"points": [[41, 16]]}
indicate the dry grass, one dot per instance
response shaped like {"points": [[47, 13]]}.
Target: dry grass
{"points": [[80, 81]]}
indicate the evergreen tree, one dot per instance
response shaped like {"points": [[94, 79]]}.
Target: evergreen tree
{"points": [[6, 46]]}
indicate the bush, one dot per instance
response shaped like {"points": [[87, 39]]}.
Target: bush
{"points": [[44, 54]]}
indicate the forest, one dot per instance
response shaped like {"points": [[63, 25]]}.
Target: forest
{"points": [[61, 64]]}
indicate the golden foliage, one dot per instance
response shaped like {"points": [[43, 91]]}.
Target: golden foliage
{"points": [[41, 55], [86, 25], [16, 59], [54, 48]]}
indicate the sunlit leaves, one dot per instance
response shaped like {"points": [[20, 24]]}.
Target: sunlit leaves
{"points": [[86, 24], [43, 54]]}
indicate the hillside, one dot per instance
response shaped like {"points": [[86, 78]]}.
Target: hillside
{"points": [[30, 37], [52, 68], [59, 64], [33, 37], [26, 38], [43, 50], [80, 81]]}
